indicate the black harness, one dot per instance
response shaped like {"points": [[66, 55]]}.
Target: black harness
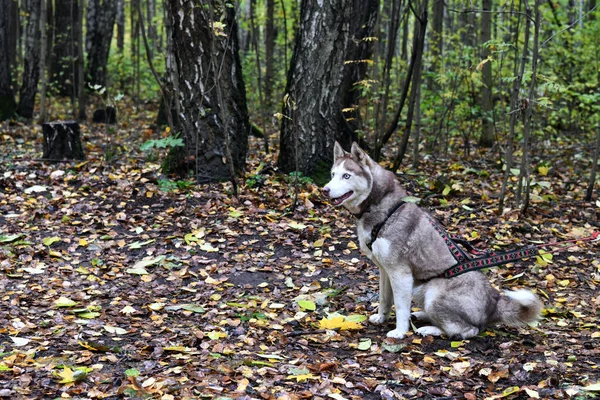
{"points": [[464, 262]]}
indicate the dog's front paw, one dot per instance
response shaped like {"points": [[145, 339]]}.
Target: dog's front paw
{"points": [[377, 319], [421, 316], [429, 331], [396, 334]]}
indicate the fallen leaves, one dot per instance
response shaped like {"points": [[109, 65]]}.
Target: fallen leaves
{"points": [[113, 287]]}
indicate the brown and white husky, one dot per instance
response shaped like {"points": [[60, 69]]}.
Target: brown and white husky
{"points": [[410, 254]]}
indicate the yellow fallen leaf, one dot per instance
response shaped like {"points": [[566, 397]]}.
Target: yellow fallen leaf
{"points": [[66, 375], [302, 377], [338, 322], [63, 301]]}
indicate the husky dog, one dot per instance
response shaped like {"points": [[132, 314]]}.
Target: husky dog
{"points": [[410, 254]]}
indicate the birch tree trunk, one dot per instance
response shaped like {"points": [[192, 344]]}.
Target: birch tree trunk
{"points": [[313, 116], [213, 116]]}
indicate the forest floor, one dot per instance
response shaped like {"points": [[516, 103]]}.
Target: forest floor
{"points": [[116, 282]]}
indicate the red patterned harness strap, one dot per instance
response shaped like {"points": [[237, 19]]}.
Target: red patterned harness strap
{"points": [[465, 263]]}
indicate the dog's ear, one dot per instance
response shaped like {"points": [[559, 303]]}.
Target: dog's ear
{"points": [[359, 153], [338, 151]]}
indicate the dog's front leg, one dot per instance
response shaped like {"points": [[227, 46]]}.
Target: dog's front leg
{"points": [[402, 284], [385, 299]]}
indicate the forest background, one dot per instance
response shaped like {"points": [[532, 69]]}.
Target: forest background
{"points": [[191, 253]]}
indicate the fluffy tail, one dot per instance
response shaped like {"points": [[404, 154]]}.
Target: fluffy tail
{"points": [[518, 308]]}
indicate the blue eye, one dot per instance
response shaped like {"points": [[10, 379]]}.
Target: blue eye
{"points": [[346, 176]]}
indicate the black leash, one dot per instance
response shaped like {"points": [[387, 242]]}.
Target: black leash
{"points": [[377, 227]]}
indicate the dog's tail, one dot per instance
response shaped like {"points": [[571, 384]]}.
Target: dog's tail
{"points": [[518, 308]]}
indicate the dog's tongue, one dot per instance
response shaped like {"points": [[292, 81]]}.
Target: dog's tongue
{"points": [[339, 200]]}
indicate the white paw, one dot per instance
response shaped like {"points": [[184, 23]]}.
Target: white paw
{"points": [[421, 315], [396, 334], [377, 319], [430, 331]]}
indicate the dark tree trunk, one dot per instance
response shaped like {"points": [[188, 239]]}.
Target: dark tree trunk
{"points": [[7, 97], [211, 94], [487, 118], [269, 53], [62, 141], [437, 40], [360, 49], [63, 72], [43, 57], [312, 111], [13, 31], [120, 25], [31, 70], [100, 23]]}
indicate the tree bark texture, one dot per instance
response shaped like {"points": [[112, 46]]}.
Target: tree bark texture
{"points": [[437, 40], [31, 70], [487, 118], [211, 99], [13, 31], [360, 50], [313, 116], [120, 25], [7, 97], [43, 58], [269, 53], [62, 141], [100, 23], [63, 73]]}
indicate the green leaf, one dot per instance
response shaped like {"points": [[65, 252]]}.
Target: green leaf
{"points": [[146, 263], [89, 315], [358, 318], [51, 240], [114, 330], [393, 347], [64, 302], [307, 305], [132, 372], [594, 387], [194, 308], [138, 244], [137, 271], [10, 238], [364, 344]]}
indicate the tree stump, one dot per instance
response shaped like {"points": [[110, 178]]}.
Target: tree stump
{"points": [[106, 115], [62, 141]]}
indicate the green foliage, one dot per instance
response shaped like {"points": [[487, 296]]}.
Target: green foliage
{"points": [[164, 143], [298, 176], [167, 185]]}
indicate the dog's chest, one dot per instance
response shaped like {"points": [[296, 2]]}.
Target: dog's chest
{"points": [[364, 238]]}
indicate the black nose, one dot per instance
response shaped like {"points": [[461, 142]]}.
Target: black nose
{"points": [[326, 190]]}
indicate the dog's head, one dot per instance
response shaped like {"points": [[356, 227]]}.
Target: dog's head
{"points": [[351, 177]]}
